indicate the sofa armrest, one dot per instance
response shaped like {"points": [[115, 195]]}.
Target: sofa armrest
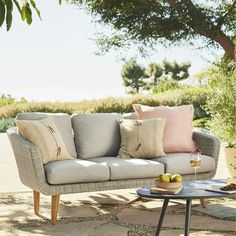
{"points": [[207, 143], [28, 159]]}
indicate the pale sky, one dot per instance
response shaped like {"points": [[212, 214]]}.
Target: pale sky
{"points": [[54, 59]]}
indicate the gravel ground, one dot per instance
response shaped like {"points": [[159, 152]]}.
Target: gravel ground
{"points": [[105, 212]]}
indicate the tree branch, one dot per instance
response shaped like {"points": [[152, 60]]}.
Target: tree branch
{"points": [[199, 22], [222, 18]]}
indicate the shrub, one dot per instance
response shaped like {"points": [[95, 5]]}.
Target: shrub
{"points": [[197, 97], [222, 104], [6, 100], [6, 123], [166, 85], [202, 123]]}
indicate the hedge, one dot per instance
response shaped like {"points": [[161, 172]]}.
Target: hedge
{"points": [[195, 96]]}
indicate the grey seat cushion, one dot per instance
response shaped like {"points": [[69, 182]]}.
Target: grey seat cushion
{"points": [[180, 163], [130, 168], [63, 123], [75, 171], [96, 135]]}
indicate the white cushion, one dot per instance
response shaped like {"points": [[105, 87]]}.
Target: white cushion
{"points": [[75, 171], [130, 168], [180, 163]]}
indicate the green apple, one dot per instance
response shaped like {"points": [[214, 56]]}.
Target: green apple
{"points": [[176, 178], [168, 174], [164, 178]]}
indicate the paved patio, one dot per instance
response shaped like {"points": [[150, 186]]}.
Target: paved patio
{"points": [[103, 213]]}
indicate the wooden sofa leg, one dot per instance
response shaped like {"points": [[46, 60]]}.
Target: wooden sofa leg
{"points": [[203, 203], [54, 208], [36, 202]]}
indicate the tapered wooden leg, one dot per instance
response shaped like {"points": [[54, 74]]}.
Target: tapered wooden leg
{"points": [[36, 202], [54, 208], [203, 203]]}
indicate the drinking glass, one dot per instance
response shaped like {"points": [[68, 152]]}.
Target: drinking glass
{"points": [[195, 161]]}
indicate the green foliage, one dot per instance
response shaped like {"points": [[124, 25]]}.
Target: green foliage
{"points": [[165, 85], [202, 123], [9, 7], [147, 22], [156, 77], [7, 123], [154, 71], [222, 103], [197, 97], [176, 71], [133, 76], [2, 12], [6, 100], [6, 9]]}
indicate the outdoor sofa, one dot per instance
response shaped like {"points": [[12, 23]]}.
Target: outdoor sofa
{"points": [[95, 140]]}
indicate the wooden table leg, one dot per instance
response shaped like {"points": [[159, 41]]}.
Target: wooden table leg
{"points": [[163, 211], [187, 216], [203, 203]]}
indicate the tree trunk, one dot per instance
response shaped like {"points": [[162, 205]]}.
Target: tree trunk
{"points": [[227, 44]]}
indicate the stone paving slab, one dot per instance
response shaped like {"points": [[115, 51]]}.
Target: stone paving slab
{"points": [[88, 228], [112, 197], [150, 218], [220, 210], [157, 206], [195, 233], [25, 212]]}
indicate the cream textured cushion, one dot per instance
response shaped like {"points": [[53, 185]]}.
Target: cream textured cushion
{"points": [[141, 138], [63, 123], [45, 135]]}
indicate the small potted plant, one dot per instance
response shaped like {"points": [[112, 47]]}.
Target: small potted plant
{"points": [[221, 105]]}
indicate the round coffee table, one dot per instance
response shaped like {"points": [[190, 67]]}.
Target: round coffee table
{"points": [[191, 190]]}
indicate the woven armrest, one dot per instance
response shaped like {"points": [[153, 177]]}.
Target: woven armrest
{"points": [[28, 159], [207, 142]]}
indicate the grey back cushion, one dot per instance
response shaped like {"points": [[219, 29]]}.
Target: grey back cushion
{"points": [[131, 116], [96, 135], [63, 123]]}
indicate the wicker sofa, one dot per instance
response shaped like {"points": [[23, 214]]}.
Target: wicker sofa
{"points": [[95, 140]]}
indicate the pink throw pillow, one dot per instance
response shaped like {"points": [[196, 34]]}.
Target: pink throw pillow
{"points": [[178, 129]]}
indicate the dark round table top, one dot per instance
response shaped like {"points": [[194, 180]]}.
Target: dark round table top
{"points": [[191, 190]]}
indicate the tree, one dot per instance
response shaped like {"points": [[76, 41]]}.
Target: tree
{"points": [[176, 71], [148, 22], [165, 72], [133, 76], [154, 71]]}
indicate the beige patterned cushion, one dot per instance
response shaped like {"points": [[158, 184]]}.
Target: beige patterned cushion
{"points": [[45, 135], [141, 138]]}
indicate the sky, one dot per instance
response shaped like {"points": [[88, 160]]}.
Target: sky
{"points": [[54, 59]]}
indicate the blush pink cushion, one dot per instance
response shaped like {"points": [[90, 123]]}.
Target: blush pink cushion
{"points": [[178, 129]]}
